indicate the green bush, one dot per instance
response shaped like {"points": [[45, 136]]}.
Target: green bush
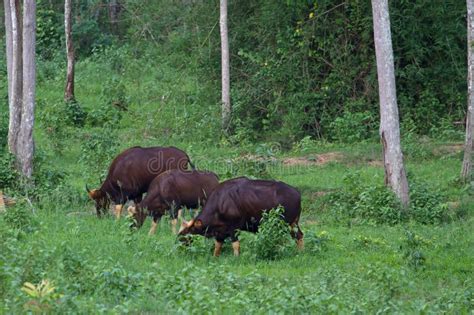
{"points": [[378, 205], [427, 204], [412, 249], [20, 217], [273, 240], [98, 149], [353, 127], [316, 242], [75, 113], [9, 176], [114, 93]]}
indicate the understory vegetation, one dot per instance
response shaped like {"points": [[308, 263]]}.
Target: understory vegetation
{"points": [[305, 112]]}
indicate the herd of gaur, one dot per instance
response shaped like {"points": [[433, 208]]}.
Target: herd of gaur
{"points": [[172, 183]]}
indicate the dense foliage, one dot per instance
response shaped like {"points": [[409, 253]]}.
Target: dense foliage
{"points": [[298, 68]]}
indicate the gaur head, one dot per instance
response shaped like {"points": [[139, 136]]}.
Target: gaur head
{"points": [[100, 198], [138, 214], [194, 226]]}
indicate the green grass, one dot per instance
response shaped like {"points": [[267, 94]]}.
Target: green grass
{"points": [[120, 271], [115, 270]]}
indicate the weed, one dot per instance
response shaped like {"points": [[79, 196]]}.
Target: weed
{"points": [[273, 240], [317, 242], [42, 297], [362, 241], [412, 249], [20, 217]]}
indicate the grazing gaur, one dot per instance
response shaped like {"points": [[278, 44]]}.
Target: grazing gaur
{"points": [[132, 171], [238, 204], [173, 190]]}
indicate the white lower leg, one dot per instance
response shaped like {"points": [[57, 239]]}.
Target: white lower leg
{"points": [[118, 211], [217, 248], [154, 224], [236, 248], [174, 222]]}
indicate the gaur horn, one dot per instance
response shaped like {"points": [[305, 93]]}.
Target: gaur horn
{"points": [[88, 190]]}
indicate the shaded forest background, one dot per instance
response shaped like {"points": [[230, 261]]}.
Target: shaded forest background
{"points": [[298, 68]]}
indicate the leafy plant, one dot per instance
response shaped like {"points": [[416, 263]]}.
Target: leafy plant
{"points": [[412, 249], [99, 148], [317, 242], [273, 240], [20, 217], [353, 127], [76, 113], [427, 204], [42, 297], [9, 176]]}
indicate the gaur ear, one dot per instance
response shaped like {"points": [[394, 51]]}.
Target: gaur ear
{"points": [[198, 224]]}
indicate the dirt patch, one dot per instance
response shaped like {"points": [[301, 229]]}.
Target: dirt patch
{"points": [[317, 159], [452, 148], [375, 163], [255, 158], [318, 194]]}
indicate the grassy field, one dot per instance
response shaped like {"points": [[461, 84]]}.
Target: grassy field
{"points": [[101, 266]]}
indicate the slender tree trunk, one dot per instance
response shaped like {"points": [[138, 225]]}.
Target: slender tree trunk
{"points": [[226, 107], [467, 161], [16, 85], [9, 47], [395, 175], [25, 145], [69, 90], [114, 10]]}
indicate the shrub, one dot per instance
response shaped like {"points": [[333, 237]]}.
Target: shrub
{"points": [[9, 176], [20, 217], [75, 113], [353, 127], [114, 93], [411, 247], [104, 115], [316, 242], [427, 204], [369, 204], [378, 204], [273, 239], [98, 148]]}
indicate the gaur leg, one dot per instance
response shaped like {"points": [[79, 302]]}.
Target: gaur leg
{"points": [[218, 247], [174, 220], [235, 245], [298, 235], [154, 224], [118, 211]]}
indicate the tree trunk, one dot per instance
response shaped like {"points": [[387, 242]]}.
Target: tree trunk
{"points": [[226, 107], [114, 10], [467, 161], [69, 90], [9, 47], [395, 175], [25, 145], [16, 84]]}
